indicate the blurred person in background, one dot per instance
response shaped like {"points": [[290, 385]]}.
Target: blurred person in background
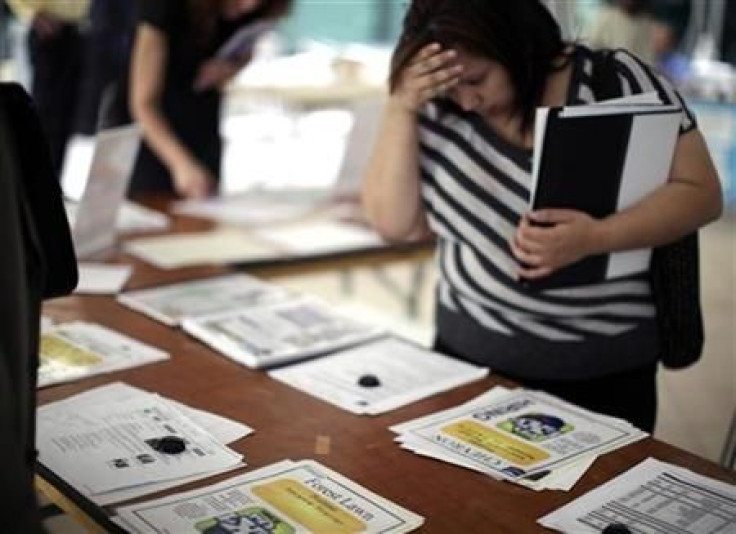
{"points": [[175, 88], [56, 48], [107, 48]]}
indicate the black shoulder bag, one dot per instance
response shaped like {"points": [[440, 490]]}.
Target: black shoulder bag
{"points": [[675, 268]]}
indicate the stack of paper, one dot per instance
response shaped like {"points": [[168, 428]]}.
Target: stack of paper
{"points": [[526, 437], [170, 304], [652, 498], [379, 376], [279, 332], [287, 497], [77, 350], [101, 442]]}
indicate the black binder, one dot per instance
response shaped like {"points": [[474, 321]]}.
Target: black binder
{"points": [[581, 167]]}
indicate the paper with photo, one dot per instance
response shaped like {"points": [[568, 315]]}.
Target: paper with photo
{"points": [[651, 498], [217, 247], [523, 435], [403, 373], [170, 304], [101, 278], [279, 332], [71, 351], [288, 497], [110, 446]]}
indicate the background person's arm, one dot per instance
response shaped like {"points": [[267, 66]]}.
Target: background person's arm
{"points": [[150, 55], [691, 198]]}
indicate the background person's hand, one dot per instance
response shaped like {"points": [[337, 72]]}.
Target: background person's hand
{"points": [[565, 237], [215, 74], [432, 72], [192, 180]]}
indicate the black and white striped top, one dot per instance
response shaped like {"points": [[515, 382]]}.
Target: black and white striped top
{"points": [[475, 188]]}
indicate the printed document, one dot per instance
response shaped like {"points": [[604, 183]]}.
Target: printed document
{"points": [[319, 237], [277, 333], [222, 429], [521, 436], [71, 351], [652, 498], [170, 304], [379, 376], [285, 498], [111, 446]]}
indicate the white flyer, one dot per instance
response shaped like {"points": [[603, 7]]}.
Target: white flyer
{"points": [[222, 429], [652, 498], [171, 303], [102, 279], [71, 351], [285, 498], [378, 376], [320, 237], [524, 435], [112, 446], [280, 332]]}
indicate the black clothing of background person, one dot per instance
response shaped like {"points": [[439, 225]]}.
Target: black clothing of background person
{"points": [[193, 115]]}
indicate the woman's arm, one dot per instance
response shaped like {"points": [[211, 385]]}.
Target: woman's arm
{"points": [[691, 198], [391, 186], [150, 54]]}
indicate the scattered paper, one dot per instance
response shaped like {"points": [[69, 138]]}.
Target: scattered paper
{"points": [[217, 247], [71, 351], [520, 436], [172, 303], [379, 376], [133, 217], [320, 237], [111, 446], [287, 497], [277, 333], [651, 498], [102, 279]]}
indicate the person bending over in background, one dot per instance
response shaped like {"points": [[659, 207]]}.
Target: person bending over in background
{"points": [[176, 88], [454, 156]]}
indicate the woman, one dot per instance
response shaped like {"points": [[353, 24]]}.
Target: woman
{"points": [[176, 87], [454, 155]]}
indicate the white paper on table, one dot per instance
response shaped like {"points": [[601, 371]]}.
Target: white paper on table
{"points": [[102, 279], [252, 208], [413, 436], [107, 446], [290, 496], [46, 323], [320, 237], [171, 303], [224, 430], [405, 374], [217, 247], [651, 498], [279, 332], [133, 217], [71, 351], [544, 432]]}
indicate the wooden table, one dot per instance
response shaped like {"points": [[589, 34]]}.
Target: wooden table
{"points": [[289, 424]]}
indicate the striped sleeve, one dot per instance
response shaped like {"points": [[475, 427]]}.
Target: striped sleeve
{"points": [[637, 77]]}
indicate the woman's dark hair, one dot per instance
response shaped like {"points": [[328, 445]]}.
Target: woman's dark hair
{"points": [[206, 12], [521, 35]]}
